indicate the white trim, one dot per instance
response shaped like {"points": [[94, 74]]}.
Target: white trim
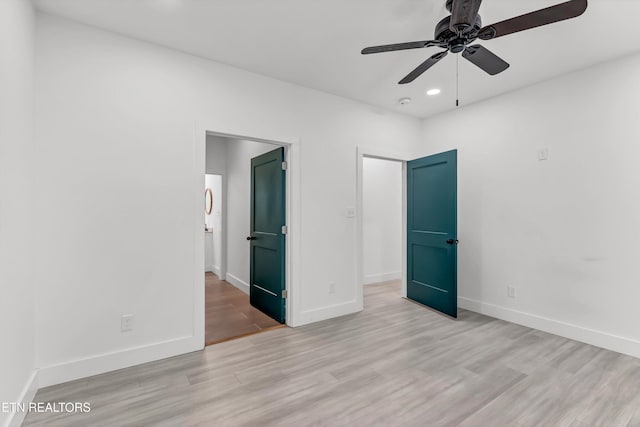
{"points": [[379, 153], [329, 312], [293, 196], [199, 172], [370, 279], [107, 362], [404, 229], [238, 283], [210, 268], [29, 391], [222, 270], [556, 327], [216, 270]]}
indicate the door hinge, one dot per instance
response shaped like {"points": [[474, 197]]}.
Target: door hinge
{"points": [[284, 166], [285, 294], [285, 229]]}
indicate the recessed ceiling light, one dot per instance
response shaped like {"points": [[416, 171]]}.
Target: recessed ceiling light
{"points": [[404, 101], [170, 4], [433, 92]]}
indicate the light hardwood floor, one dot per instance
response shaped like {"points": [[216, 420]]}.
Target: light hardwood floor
{"points": [[395, 364], [228, 313]]}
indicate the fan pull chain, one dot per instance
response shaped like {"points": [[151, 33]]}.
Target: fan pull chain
{"points": [[457, 80]]}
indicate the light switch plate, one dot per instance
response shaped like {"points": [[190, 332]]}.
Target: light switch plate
{"points": [[332, 287], [126, 323]]}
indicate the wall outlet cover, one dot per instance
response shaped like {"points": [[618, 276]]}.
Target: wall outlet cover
{"points": [[126, 323], [543, 154]]}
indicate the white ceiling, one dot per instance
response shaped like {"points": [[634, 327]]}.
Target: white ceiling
{"points": [[316, 43]]}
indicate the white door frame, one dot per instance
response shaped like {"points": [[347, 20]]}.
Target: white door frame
{"points": [[293, 200], [383, 154]]}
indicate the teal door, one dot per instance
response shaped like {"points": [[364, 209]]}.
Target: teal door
{"points": [[267, 238], [431, 232]]}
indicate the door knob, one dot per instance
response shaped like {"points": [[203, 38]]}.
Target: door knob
{"points": [[251, 238], [452, 242]]}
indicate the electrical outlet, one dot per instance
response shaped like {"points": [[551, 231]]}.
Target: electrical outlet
{"points": [[543, 154], [126, 323], [511, 292], [332, 287]]}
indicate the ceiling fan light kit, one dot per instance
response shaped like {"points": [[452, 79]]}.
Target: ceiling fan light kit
{"points": [[456, 32]]}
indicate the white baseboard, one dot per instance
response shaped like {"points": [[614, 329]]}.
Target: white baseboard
{"points": [[26, 397], [99, 364], [381, 277], [578, 333], [210, 268], [238, 283], [328, 312]]}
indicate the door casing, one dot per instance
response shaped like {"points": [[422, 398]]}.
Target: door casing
{"points": [[293, 211], [377, 153]]}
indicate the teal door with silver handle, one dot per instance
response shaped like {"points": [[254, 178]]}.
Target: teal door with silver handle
{"points": [[268, 234], [432, 232]]}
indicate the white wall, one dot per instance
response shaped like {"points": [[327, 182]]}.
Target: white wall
{"points": [[17, 306], [239, 155], [125, 111], [216, 155], [564, 232], [213, 221], [213, 183], [382, 220], [216, 164]]}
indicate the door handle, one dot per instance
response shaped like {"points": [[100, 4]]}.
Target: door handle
{"points": [[452, 242], [251, 238]]}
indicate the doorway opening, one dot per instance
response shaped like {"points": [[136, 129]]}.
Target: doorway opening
{"points": [[429, 228], [237, 197], [382, 230]]}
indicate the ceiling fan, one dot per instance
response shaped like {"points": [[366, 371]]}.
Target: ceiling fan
{"points": [[455, 33]]}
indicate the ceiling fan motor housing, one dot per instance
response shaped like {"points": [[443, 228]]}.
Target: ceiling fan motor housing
{"points": [[456, 43]]}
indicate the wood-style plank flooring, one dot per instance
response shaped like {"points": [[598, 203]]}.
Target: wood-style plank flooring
{"points": [[228, 313], [394, 364]]}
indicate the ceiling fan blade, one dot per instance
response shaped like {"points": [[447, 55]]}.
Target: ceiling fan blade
{"points": [[433, 60], [549, 15], [463, 14], [485, 59], [399, 46]]}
